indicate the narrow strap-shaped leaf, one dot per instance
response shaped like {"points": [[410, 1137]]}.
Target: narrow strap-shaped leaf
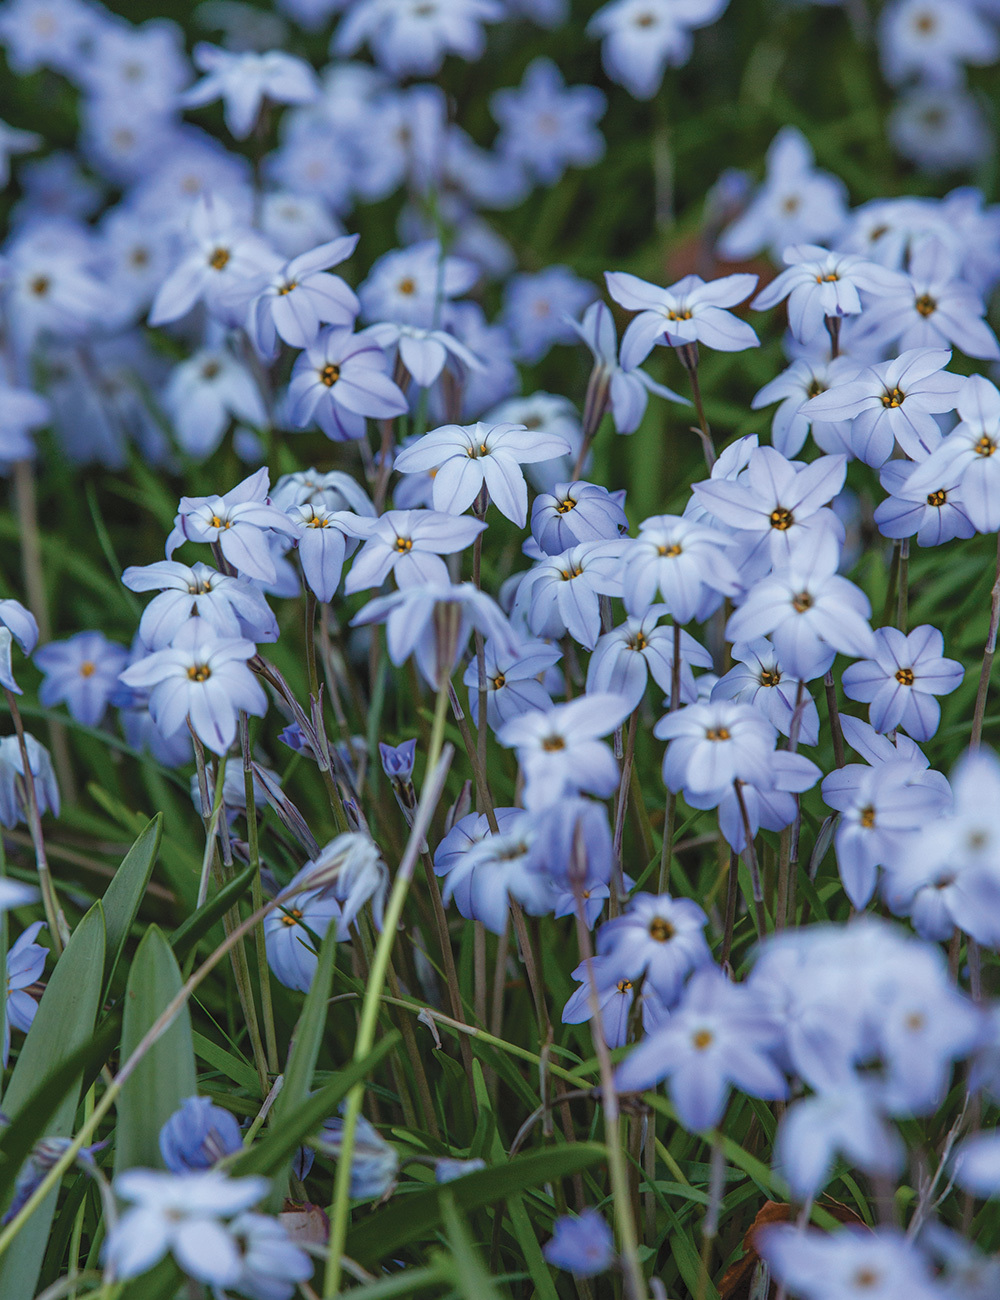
{"points": [[199, 923], [63, 1024], [469, 1273], [125, 892], [420, 1214], [166, 1074]]}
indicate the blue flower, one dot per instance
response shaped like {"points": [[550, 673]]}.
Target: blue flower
{"points": [[581, 1244], [198, 1135], [81, 673]]}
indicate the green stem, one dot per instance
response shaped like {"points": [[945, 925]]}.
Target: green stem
{"points": [[439, 761], [635, 1286], [257, 897], [58, 927]]}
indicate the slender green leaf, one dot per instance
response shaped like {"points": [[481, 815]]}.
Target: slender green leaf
{"points": [[241, 1072], [63, 1024], [468, 1270], [306, 1043], [198, 924], [166, 1074], [419, 1214], [125, 892], [268, 1156]]}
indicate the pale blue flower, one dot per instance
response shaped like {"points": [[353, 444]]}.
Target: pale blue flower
{"points": [[302, 296], [625, 658], [238, 522], [559, 749], [233, 607], [547, 126], [408, 544], [339, 381], [581, 1243], [244, 79], [514, 679], [685, 562], [967, 456], [539, 309], [690, 311], [469, 458], [576, 512], [413, 39], [641, 38], [273, 1264], [81, 673], [198, 1135], [900, 683], [716, 1038], [182, 1214], [201, 678], [758, 678], [561, 594]]}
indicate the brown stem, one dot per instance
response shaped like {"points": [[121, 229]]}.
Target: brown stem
{"points": [[750, 856], [835, 727]]}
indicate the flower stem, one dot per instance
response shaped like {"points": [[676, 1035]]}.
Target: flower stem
{"points": [[257, 898], [439, 761], [635, 1286], [988, 653], [58, 927], [750, 857]]}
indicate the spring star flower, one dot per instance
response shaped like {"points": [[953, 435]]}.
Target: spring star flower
{"points": [[25, 963], [182, 1214], [559, 750], [892, 402], [685, 562], [967, 457], [562, 593], [233, 607], [223, 265], [288, 934], [877, 807], [581, 1243], [626, 392], [205, 393], [302, 296], [409, 286], [820, 284], [625, 658], [718, 1037], [433, 622], [407, 36], [201, 677], [323, 547], [512, 680], [576, 512], [81, 673], [758, 679], [803, 379], [640, 38], [244, 79], [238, 522], [796, 204], [714, 744], [900, 683], [546, 126], [931, 39], [471, 457], [933, 307], [273, 1264], [934, 516], [773, 499], [849, 1264], [690, 311], [198, 1135], [408, 544], [658, 937], [808, 610], [339, 382]]}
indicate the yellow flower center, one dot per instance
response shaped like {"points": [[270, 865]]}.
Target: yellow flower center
{"points": [[199, 672], [219, 259], [329, 375]]}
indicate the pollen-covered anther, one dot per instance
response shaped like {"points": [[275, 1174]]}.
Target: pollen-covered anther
{"points": [[88, 668], [905, 676], [199, 672], [892, 399], [769, 677], [565, 506], [219, 259], [802, 602], [937, 498], [329, 375], [552, 744], [660, 929], [670, 551], [926, 305], [867, 817], [985, 446], [404, 544], [781, 518], [717, 733], [703, 1039]]}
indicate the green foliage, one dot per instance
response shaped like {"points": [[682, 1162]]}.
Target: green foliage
{"points": [[166, 1074]]}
